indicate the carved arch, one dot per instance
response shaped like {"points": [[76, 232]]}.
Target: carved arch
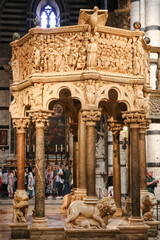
{"points": [[55, 89]]}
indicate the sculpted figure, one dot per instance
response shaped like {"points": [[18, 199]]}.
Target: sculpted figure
{"points": [[93, 18], [20, 206], [51, 61], [14, 105], [138, 64], [147, 203], [92, 54], [139, 100], [95, 215], [36, 95], [37, 58], [15, 70], [90, 92]]}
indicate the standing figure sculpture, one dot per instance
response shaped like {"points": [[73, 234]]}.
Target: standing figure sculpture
{"points": [[92, 54]]}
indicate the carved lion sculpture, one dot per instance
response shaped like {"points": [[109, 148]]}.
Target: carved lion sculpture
{"points": [[147, 203], [20, 206], [94, 216]]}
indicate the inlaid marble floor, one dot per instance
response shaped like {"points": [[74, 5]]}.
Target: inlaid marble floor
{"points": [[55, 218]]}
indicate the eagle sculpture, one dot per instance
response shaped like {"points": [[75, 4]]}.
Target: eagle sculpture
{"points": [[93, 18]]}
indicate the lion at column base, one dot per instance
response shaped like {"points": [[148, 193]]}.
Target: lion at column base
{"points": [[68, 199], [20, 206], [148, 201], [91, 216]]}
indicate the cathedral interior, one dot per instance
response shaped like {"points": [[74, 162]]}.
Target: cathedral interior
{"points": [[80, 87]]}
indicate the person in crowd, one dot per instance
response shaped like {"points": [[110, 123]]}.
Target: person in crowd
{"points": [[151, 182], [49, 177], [26, 179], [109, 184], [15, 180], [54, 180], [59, 182], [67, 179], [10, 181], [4, 182], [30, 188], [0, 179]]}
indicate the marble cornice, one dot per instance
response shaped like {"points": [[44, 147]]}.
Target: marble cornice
{"points": [[78, 76]]}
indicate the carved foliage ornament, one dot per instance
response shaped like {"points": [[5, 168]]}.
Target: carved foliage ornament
{"points": [[20, 123], [134, 117], [92, 115], [115, 126], [41, 117]]}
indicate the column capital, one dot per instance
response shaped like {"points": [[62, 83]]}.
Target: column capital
{"points": [[144, 125], [20, 124], [40, 117], [135, 119], [115, 126], [73, 127], [91, 116]]}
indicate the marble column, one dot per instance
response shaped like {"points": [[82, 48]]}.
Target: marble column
{"points": [[134, 119], [115, 127], [74, 130], [142, 158], [81, 191], [41, 121], [152, 21], [135, 12], [20, 124], [158, 73], [21, 200], [91, 117]]}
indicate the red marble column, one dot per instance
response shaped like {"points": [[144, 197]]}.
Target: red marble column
{"points": [[21, 159], [20, 124]]}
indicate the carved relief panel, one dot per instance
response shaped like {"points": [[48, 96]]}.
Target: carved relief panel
{"points": [[78, 50]]}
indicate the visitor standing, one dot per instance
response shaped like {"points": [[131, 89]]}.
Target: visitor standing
{"points": [[4, 182], [49, 176], [151, 182], [59, 182], [10, 181], [109, 185], [30, 189], [67, 179]]}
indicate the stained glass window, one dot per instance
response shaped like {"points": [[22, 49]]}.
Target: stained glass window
{"points": [[48, 17]]}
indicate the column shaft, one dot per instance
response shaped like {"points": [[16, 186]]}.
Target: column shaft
{"points": [[21, 160], [134, 12], [135, 168], [75, 168], [40, 171], [82, 152], [91, 190], [116, 170], [142, 156]]}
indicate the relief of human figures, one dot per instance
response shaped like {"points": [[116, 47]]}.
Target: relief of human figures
{"points": [[79, 51]]}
